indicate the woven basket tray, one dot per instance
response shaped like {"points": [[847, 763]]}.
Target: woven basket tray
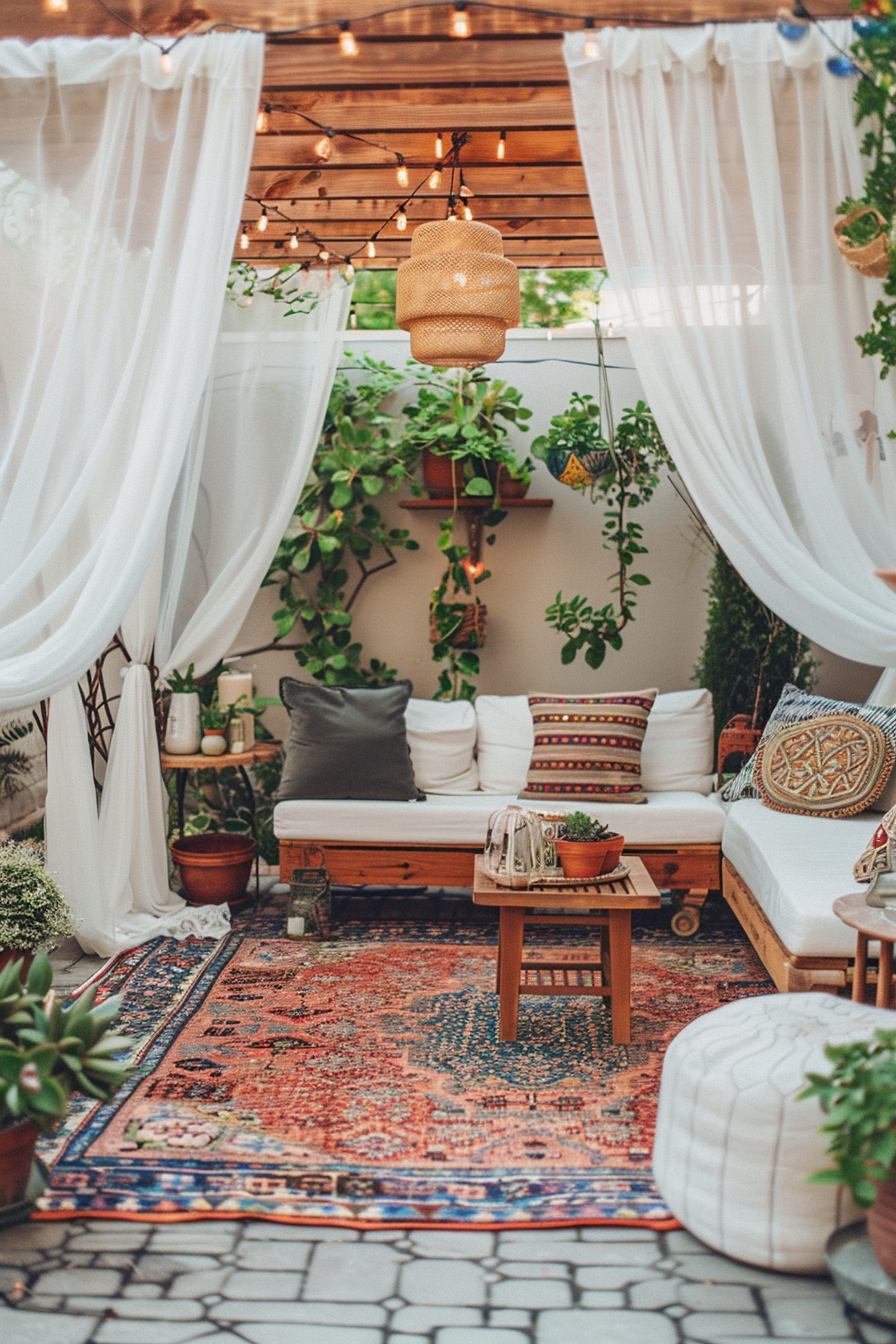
{"points": [[871, 259]]}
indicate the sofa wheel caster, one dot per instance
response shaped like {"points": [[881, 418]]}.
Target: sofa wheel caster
{"points": [[686, 921]]}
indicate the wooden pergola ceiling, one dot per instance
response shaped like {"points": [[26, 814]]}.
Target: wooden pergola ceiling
{"points": [[410, 81]]}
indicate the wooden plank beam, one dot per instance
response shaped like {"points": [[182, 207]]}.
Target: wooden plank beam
{"points": [[355, 183], [318, 212], [359, 230], [432, 109], [401, 247], [291, 151], [531, 61]]}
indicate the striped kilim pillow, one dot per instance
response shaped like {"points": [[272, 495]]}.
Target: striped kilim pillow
{"points": [[589, 746]]}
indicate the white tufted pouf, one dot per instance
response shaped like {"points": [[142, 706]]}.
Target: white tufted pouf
{"points": [[733, 1145]]}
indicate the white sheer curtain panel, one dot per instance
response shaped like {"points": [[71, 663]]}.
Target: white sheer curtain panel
{"points": [[715, 160], [250, 452], [120, 196]]}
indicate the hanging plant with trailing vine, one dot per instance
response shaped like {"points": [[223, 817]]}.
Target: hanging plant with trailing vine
{"points": [[457, 626]]}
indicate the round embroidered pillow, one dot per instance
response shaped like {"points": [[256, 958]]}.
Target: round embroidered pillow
{"points": [[832, 766]]}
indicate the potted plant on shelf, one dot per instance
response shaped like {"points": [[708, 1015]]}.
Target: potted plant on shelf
{"points": [[182, 729], [858, 1097], [34, 915], [47, 1052], [586, 848], [459, 425]]}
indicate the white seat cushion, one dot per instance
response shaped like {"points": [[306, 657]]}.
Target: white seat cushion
{"points": [[666, 818], [677, 753], [796, 867], [442, 739]]}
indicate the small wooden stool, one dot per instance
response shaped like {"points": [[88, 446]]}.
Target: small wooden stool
{"points": [[871, 923]]}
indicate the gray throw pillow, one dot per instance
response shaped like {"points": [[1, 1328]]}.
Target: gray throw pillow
{"points": [[346, 742]]}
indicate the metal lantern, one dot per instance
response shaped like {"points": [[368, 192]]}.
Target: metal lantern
{"points": [[310, 900], [513, 847], [457, 294]]}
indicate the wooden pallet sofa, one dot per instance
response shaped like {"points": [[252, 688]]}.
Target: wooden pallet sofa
{"points": [[472, 760]]}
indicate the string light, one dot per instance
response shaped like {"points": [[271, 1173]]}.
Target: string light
{"points": [[438, 144], [502, 145], [591, 46], [166, 64], [294, 240], [460, 20], [324, 147], [263, 220], [263, 120], [467, 212], [244, 239], [348, 271], [401, 172], [54, 6], [323, 255], [347, 43], [435, 177], [371, 248], [401, 221]]}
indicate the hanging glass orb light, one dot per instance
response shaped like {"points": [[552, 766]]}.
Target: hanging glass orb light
{"points": [[457, 294]]}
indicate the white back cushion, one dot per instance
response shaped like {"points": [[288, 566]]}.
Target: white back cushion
{"points": [[678, 746], [442, 739], [677, 754]]}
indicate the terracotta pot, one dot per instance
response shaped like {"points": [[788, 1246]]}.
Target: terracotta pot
{"points": [[214, 868], [442, 476], [510, 487], [882, 1226], [589, 858], [16, 1155], [9, 954]]}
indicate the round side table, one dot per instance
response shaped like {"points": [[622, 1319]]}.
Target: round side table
{"points": [[871, 924]]}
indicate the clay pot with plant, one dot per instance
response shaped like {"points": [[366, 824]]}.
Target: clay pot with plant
{"points": [[586, 848], [34, 915], [48, 1052], [858, 1097]]}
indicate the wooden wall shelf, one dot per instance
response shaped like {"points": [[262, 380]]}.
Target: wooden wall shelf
{"points": [[474, 509]]}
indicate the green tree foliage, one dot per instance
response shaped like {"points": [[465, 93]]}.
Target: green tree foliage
{"points": [[748, 653], [373, 300], [547, 298], [14, 763]]}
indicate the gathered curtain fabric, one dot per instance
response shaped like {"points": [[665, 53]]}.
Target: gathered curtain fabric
{"points": [[251, 448], [715, 159]]}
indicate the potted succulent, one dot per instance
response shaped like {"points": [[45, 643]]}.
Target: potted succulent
{"points": [[586, 848], [47, 1052], [858, 1097], [34, 915], [215, 722], [459, 425]]}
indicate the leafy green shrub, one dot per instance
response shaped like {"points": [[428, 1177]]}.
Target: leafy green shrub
{"points": [[584, 830], [33, 911]]}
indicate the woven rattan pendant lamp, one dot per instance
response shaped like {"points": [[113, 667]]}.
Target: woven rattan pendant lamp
{"points": [[457, 294]]}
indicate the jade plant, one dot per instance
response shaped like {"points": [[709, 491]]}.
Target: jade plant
{"points": [[34, 915], [858, 1097], [47, 1052], [584, 830]]}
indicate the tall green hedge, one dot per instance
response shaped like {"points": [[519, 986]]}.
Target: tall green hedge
{"points": [[747, 644]]}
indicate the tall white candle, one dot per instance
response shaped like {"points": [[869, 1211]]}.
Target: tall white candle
{"points": [[232, 686]]}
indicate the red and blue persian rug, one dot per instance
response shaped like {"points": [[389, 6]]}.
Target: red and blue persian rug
{"points": [[359, 1081]]}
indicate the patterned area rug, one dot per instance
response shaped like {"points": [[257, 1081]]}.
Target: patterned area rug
{"points": [[358, 1081]]}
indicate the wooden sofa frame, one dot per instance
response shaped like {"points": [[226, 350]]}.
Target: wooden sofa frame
{"points": [[789, 972], [689, 871]]}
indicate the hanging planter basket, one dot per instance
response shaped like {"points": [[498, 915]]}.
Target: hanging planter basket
{"points": [[579, 469], [469, 633], [871, 259]]}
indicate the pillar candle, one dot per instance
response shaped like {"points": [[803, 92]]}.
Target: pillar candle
{"points": [[232, 686]]}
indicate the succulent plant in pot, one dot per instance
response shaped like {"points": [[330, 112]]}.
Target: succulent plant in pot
{"points": [[587, 848], [47, 1052], [858, 1097], [34, 915]]}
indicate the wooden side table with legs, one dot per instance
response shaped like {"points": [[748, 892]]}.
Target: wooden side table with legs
{"points": [[872, 924], [608, 976]]}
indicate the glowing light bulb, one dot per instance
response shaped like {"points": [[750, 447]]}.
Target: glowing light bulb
{"points": [[324, 147], [348, 271], [371, 248], [402, 173], [591, 46], [294, 241], [435, 178], [166, 64], [468, 213], [401, 221], [438, 144], [263, 120], [263, 220], [323, 255], [347, 44], [502, 145], [54, 6], [460, 21], [244, 239]]}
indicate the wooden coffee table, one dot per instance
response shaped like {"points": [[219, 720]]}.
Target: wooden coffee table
{"points": [[609, 975], [871, 924]]}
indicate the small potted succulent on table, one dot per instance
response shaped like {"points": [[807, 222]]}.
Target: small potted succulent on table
{"points": [[47, 1052], [586, 848], [215, 722], [858, 1097], [34, 915]]}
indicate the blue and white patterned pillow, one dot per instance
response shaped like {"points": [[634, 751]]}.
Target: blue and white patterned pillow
{"points": [[795, 706]]}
